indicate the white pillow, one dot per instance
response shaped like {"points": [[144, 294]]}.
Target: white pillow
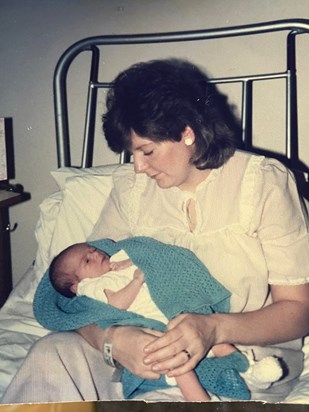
{"points": [[84, 198], [68, 216], [49, 210], [62, 174]]}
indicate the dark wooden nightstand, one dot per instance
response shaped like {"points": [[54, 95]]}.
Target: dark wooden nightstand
{"points": [[7, 199]]}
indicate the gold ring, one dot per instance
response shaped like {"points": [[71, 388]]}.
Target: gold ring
{"points": [[187, 353]]}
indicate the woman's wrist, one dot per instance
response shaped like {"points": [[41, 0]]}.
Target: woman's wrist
{"points": [[108, 353], [93, 334], [217, 320]]}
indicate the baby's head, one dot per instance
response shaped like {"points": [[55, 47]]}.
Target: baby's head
{"points": [[75, 263]]}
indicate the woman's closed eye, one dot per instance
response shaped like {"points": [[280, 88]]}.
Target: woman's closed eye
{"points": [[148, 153]]}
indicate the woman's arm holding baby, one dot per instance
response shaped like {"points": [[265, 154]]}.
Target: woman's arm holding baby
{"points": [[287, 318]]}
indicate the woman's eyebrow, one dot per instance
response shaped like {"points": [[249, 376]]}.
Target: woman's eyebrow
{"points": [[141, 146]]}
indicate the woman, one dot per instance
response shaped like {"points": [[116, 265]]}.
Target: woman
{"points": [[239, 213]]}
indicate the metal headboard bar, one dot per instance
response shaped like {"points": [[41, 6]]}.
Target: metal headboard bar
{"points": [[246, 113], [88, 145], [291, 102], [295, 26]]}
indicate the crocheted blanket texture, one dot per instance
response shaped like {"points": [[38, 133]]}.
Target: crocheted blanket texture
{"points": [[178, 283]]}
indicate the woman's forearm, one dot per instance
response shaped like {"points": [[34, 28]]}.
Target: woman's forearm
{"points": [[284, 320], [280, 322], [94, 335]]}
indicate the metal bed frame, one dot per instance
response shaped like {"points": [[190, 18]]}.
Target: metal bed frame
{"points": [[293, 27]]}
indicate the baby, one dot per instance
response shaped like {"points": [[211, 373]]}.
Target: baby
{"points": [[83, 269]]}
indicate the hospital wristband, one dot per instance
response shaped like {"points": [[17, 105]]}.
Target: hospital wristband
{"points": [[108, 349]]}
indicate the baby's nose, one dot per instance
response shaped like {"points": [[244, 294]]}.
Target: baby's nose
{"points": [[94, 254]]}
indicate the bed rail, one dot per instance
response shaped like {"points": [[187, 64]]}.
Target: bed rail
{"points": [[293, 27]]}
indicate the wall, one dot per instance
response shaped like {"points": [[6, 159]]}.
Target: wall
{"points": [[34, 33]]}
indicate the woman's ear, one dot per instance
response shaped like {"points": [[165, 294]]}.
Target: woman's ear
{"points": [[188, 136]]}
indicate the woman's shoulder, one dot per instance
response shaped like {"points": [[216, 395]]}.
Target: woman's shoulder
{"points": [[253, 167], [267, 180], [254, 177]]}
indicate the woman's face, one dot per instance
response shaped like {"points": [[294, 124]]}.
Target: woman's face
{"points": [[167, 162]]}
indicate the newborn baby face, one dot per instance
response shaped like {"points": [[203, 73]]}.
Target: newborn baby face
{"points": [[88, 262]]}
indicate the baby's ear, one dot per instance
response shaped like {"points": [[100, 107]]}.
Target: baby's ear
{"points": [[73, 288]]}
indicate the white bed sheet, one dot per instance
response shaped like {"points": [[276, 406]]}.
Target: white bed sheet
{"points": [[62, 222], [18, 329]]}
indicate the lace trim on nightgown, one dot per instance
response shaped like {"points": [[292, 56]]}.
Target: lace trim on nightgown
{"points": [[247, 190], [194, 216], [289, 282], [190, 211]]}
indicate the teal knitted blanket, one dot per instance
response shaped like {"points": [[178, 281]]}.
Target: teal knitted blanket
{"points": [[179, 283]]}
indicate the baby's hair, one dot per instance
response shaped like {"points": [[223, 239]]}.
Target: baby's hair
{"points": [[61, 280]]}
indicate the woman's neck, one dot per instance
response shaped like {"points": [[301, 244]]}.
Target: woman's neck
{"points": [[195, 179]]}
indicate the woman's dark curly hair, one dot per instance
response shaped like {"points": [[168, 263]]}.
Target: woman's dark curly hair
{"points": [[159, 98]]}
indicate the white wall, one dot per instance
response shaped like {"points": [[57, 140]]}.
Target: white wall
{"points": [[34, 33]]}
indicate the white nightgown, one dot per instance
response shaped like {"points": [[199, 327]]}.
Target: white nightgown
{"points": [[245, 222]]}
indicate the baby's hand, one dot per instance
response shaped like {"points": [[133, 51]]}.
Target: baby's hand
{"points": [[114, 265], [139, 275], [123, 264]]}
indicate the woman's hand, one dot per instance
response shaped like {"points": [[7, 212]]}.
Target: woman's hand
{"points": [[189, 338], [128, 346], [128, 349]]}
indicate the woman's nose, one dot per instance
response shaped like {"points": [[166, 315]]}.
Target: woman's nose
{"points": [[140, 165]]}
